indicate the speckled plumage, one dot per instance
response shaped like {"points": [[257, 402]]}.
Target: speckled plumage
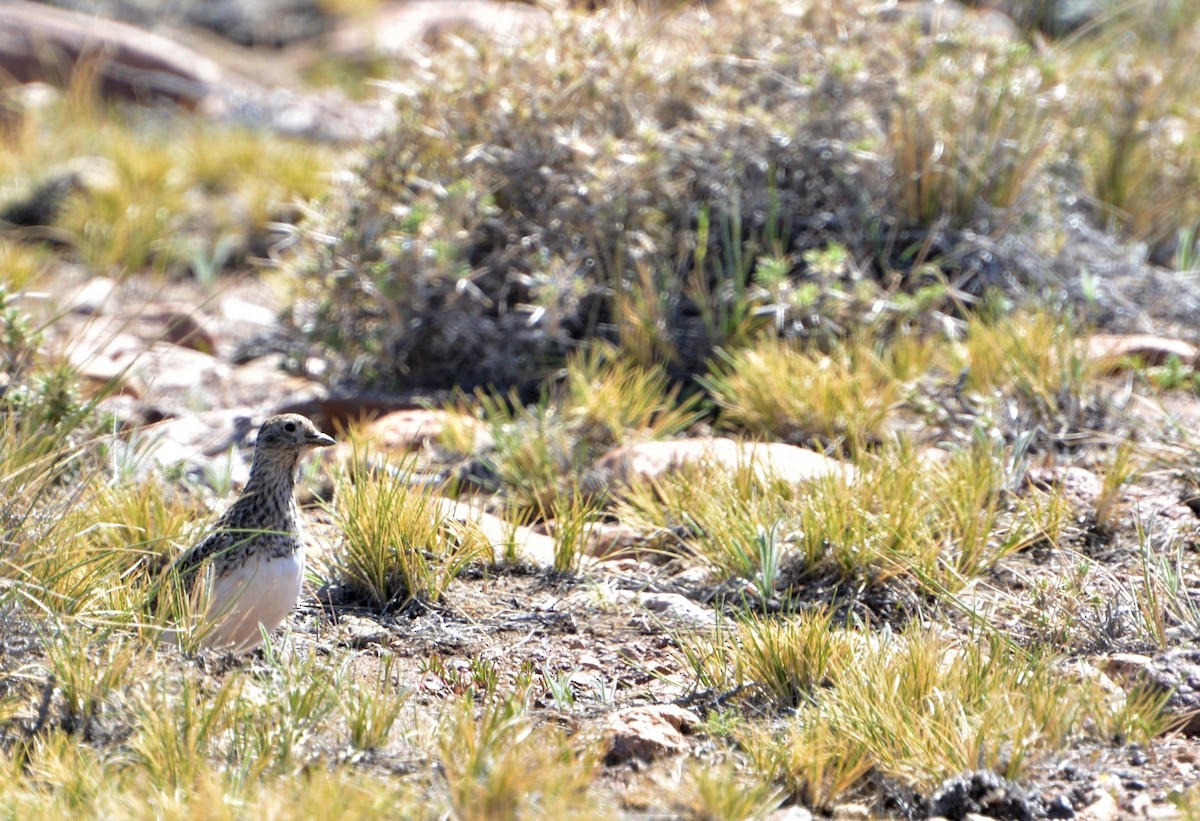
{"points": [[245, 574]]}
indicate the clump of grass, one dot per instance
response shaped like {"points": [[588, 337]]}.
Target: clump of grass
{"points": [[727, 520], [534, 456], [47, 468], [177, 726], [722, 793], [1123, 468], [490, 754], [400, 545], [23, 266], [942, 709], [542, 452], [150, 197], [371, 709], [278, 712], [969, 138], [774, 390], [978, 520], [74, 776], [88, 672], [1135, 126], [1165, 606], [574, 520], [611, 401], [97, 558], [1034, 358], [793, 659], [896, 517]]}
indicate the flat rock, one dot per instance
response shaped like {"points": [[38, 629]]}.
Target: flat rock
{"points": [[263, 383], [523, 542], [1081, 488], [652, 460], [43, 44], [646, 733], [143, 369], [1111, 352], [205, 445]]}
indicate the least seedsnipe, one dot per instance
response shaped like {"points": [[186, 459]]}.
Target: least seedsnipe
{"points": [[243, 577]]}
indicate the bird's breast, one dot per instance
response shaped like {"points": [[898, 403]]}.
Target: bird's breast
{"points": [[253, 595]]}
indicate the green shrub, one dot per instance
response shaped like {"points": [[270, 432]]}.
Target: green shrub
{"points": [[668, 189]]}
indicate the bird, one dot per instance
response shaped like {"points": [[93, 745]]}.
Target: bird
{"points": [[242, 578]]}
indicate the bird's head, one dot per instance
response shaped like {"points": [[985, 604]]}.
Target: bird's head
{"points": [[291, 432]]}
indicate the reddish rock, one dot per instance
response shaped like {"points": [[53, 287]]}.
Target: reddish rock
{"points": [[646, 733], [1122, 665], [606, 541], [411, 429]]}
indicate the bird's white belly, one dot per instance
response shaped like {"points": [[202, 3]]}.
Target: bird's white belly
{"points": [[247, 599]]}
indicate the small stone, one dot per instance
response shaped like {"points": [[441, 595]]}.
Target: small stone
{"points": [[1122, 665], [93, 298], [647, 733], [1081, 488], [1103, 808], [792, 813], [357, 632], [677, 608], [851, 812]]}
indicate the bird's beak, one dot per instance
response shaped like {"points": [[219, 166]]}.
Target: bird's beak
{"points": [[320, 440]]}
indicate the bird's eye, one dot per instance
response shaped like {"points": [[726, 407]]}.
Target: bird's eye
{"points": [[290, 427]]}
